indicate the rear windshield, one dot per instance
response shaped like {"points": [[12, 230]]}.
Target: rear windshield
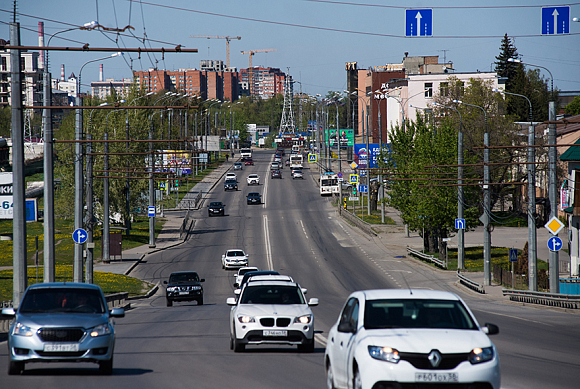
{"points": [[392, 313], [183, 277], [63, 300], [272, 294]]}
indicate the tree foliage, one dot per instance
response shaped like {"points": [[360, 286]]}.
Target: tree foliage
{"points": [[574, 107]]}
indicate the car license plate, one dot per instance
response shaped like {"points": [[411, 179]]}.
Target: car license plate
{"points": [[275, 333], [183, 292], [59, 347], [436, 377]]}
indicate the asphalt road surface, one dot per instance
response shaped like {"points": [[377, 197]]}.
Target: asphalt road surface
{"points": [[297, 233]]}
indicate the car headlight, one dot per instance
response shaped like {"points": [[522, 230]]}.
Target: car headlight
{"points": [[196, 287], [171, 289], [384, 354], [22, 330], [100, 330], [246, 319], [479, 355], [303, 319]]}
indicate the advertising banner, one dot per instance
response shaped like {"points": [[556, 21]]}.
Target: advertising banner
{"points": [[6, 197], [361, 154], [346, 137]]}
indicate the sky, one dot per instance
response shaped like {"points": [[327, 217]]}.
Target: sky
{"points": [[313, 38]]}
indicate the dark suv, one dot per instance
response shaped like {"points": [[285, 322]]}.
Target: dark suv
{"points": [[184, 286], [230, 184], [216, 208]]}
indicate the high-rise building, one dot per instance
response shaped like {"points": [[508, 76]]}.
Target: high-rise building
{"points": [[268, 82]]}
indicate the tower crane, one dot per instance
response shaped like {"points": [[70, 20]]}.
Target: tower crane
{"points": [[250, 69], [227, 38]]}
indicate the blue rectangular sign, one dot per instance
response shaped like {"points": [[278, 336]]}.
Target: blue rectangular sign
{"points": [[31, 210], [363, 188], [459, 224], [555, 20], [418, 22]]}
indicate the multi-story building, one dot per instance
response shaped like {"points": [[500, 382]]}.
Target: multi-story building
{"points": [[102, 89], [66, 85], [267, 82], [32, 79]]}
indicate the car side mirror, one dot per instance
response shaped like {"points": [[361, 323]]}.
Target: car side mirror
{"points": [[117, 312], [231, 301], [490, 329], [304, 290], [313, 302], [202, 280], [236, 285], [346, 327], [8, 313]]}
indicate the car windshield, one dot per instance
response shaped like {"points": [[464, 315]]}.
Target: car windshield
{"points": [[241, 272], [230, 181], [237, 253], [253, 194], [63, 300], [215, 204], [253, 176], [272, 294], [417, 313], [183, 277]]}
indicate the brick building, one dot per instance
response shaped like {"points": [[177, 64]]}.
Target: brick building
{"points": [[268, 82]]}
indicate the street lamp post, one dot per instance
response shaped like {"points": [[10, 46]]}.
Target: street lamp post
{"points": [[460, 200], [554, 268], [532, 246], [486, 201]]}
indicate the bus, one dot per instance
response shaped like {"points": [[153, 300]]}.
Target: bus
{"points": [[296, 161], [245, 154], [329, 184]]}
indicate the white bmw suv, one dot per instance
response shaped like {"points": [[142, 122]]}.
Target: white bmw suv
{"points": [[271, 310], [409, 338]]}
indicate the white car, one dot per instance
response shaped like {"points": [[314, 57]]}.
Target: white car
{"points": [[240, 274], [253, 179], [234, 258], [272, 311], [414, 338], [231, 176], [297, 173]]}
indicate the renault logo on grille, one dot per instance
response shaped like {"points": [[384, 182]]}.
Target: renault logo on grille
{"points": [[435, 358]]}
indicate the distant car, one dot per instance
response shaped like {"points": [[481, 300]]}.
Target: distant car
{"points": [[276, 174], [240, 275], [297, 174], [216, 208], [410, 339], [238, 166], [278, 159], [230, 184], [234, 258], [275, 166], [231, 176], [253, 179], [184, 286], [287, 162], [61, 322], [251, 274], [254, 198], [272, 312], [249, 161]]}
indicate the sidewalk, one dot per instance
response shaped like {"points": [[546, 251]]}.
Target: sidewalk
{"points": [[169, 235]]}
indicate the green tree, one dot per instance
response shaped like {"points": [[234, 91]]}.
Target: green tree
{"points": [[574, 107], [5, 122], [505, 68]]}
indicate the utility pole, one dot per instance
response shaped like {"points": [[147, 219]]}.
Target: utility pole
{"points": [[19, 199], [554, 267]]}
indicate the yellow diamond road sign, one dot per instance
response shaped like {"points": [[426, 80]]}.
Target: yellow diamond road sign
{"points": [[353, 165], [554, 225]]}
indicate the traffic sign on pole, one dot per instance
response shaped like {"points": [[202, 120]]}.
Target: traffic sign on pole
{"points": [[459, 224], [554, 225], [555, 20], [151, 211], [354, 178], [363, 188], [513, 255], [339, 174], [311, 158], [554, 243], [80, 236], [418, 22]]}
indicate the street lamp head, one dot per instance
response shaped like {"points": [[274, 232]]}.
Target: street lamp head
{"points": [[118, 53], [458, 101], [514, 60], [91, 24], [575, 20]]}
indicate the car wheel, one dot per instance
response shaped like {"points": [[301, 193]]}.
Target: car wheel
{"points": [[15, 368], [356, 382], [306, 347], [238, 347], [208, 214], [231, 342], [169, 303], [106, 367], [329, 377], [200, 301]]}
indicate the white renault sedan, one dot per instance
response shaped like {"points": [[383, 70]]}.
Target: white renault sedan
{"points": [[234, 259], [389, 338], [253, 179], [272, 311]]}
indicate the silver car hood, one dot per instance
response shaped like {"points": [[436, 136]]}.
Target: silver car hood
{"points": [[47, 320], [288, 310]]}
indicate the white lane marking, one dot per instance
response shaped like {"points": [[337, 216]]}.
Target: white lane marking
{"points": [[267, 242], [265, 191], [321, 339], [303, 229]]}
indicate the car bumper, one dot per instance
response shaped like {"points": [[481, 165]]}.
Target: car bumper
{"points": [[254, 201], [377, 374], [31, 349], [253, 182], [189, 296], [230, 188], [235, 264]]}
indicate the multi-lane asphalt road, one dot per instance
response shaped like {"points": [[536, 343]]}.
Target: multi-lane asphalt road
{"points": [[297, 233]]}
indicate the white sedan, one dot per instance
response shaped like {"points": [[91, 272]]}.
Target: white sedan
{"points": [[241, 272], [234, 258], [417, 338], [253, 179]]}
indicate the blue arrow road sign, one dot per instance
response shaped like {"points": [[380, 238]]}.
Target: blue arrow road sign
{"points": [[459, 224], [555, 20], [418, 22], [363, 188], [151, 211], [554, 243], [513, 255], [80, 236]]}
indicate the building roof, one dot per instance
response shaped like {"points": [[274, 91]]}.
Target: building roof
{"points": [[570, 125]]}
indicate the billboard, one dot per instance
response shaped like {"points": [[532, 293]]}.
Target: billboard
{"points": [[361, 154], [346, 137], [6, 197]]}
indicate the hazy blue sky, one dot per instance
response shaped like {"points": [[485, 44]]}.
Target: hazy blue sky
{"points": [[313, 38]]}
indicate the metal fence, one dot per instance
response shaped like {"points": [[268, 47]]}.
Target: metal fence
{"points": [[516, 281], [427, 257]]}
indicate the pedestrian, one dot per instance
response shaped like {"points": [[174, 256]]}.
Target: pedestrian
{"points": [[227, 157]]}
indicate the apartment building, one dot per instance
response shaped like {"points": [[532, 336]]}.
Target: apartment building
{"points": [[31, 75]]}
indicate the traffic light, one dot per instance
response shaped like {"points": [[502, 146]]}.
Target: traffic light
{"points": [[354, 190], [176, 183]]}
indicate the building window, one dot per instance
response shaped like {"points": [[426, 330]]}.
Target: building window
{"points": [[428, 89], [444, 89]]}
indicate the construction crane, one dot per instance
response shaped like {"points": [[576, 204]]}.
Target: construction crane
{"points": [[227, 38], [250, 69]]}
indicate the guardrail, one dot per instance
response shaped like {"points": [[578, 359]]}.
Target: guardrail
{"points": [[470, 284], [357, 221], [189, 203], [427, 257], [570, 301], [185, 226]]}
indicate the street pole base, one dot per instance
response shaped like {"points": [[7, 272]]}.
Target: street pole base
{"points": [[152, 246]]}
